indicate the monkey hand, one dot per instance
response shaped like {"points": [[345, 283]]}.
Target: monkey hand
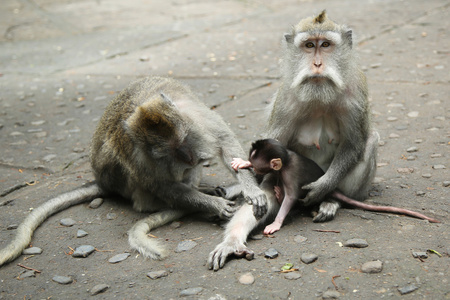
{"points": [[219, 255], [317, 192], [226, 209], [239, 163], [257, 198]]}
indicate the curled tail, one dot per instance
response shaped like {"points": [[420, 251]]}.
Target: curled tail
{"points": [[138, 239], [38, 215]]}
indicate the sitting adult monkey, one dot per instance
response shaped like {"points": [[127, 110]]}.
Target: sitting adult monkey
{"points": [[320, 111], [149, 147]]}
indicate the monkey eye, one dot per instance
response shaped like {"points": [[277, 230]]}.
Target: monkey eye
{"points": [[325, 44], [309, 45]]}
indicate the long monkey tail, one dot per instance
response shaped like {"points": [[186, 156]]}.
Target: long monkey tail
{"points": [[38, 216], [138, 239]]}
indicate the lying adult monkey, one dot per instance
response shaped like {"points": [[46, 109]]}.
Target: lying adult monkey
{"points": [[291, 171], [149, 147], [320, 111]]}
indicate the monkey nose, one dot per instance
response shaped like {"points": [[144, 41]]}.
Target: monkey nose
{"points": [[318, 64]]}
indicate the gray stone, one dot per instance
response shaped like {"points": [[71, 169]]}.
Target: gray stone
{"points": [[81, 233], [418, 254], [331, 295], [96, 203], [67, 222], [185, 246], [119, 257], [271, 253], [308, 258], [157, 274], [28, 274], [300, 239], [32, 251], [356, 243], [439, 167], [446, 183], [372, 267], [83, 251], [99, 288], [111, 216], [292, 275], [12, 226], [412, 149], [62, 279], [407, 289], [191, 291]]}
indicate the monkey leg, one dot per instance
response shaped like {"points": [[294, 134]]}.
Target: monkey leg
{"points": [[357, 182]]}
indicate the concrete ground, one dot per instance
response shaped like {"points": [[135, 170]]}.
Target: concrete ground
{"points": [[62, 61]]}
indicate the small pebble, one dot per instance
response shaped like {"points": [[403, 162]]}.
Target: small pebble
{"points": [[439, 167], [49, 158], [191, 291], [83, 251], [392, 119], [292, 275], [407, 289], [241, 116], [96, 203], [271, 253], [410, 158], [247, 279], [111, 216], [175, 225], [300, 239], [81, 233], [412, 149], [62, 279], [28, 274], [394, 136], [357, 243], [331, 295], [405, 170], [446, 183], [12, 226], [32, 251], [185, 246], [436, 155], [372, 267], [426, 175], [308, 258], [157, 274], [99, 288], [420, 193], [420, 254], [413, 114], [119, 257], [67, 222], [257, 237]]}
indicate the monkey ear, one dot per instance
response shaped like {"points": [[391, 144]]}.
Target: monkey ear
{"points": [[348, 36], [276, 164], [289, 37]]}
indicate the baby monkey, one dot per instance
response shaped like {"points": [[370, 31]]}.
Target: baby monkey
{"points": [[293, 171]]}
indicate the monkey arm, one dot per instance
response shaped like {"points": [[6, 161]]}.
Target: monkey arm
{"points": [[181, 196], [250, 189]]}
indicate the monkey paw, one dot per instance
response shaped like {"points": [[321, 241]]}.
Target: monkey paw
{"points": [[239, 163], [316, 193], [258, 200], [218, 257], [275, 226], [327, 211], [227, 209]]}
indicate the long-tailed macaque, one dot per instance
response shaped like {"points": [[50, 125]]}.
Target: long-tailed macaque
{"points": [[149, 147], [321, 111], [292, 171]]}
